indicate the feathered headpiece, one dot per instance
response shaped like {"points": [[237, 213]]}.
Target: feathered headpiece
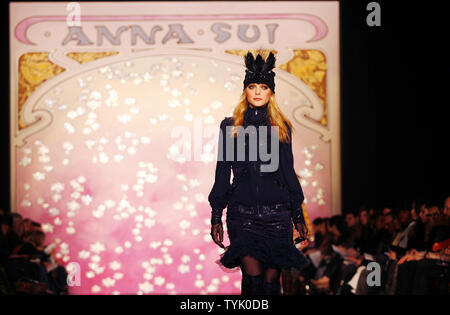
{"points": [[260, 70]]}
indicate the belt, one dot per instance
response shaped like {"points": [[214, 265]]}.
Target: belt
{"points": [[261, 209]]}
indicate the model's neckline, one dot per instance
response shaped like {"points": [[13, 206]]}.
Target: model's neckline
{"points": [[256, 115]]}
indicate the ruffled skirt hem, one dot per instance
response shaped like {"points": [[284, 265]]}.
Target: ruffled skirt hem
{"points": [[275, 255]]}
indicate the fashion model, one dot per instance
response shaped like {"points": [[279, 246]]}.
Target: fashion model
{"points": [[263, 202]]}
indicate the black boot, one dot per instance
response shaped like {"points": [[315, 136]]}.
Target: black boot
{"points": [[272, 288], [252, 285]]}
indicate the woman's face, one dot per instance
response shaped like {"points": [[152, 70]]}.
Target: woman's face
{"points": [[434, 215], [423, 214], [258, 94], [380, 222], [364, 217]]}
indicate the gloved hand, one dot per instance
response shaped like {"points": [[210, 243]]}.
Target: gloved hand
{"points": [[216, 227], [300, 224], [217, 234]]}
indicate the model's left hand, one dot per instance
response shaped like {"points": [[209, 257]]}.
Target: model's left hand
{"points": [[217, 234], [302, 230]]}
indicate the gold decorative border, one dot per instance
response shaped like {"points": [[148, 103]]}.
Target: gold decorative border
{"points": [[85, 57], [310, 66], [35, 68]]}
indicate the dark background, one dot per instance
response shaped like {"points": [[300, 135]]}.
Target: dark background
{"points": [[394, 125], [393, 105]]}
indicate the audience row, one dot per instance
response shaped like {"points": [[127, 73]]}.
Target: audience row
{"points": [[404, 250], [27, 267]]}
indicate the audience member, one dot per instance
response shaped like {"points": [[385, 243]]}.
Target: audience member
{"points": [[25, 266]]}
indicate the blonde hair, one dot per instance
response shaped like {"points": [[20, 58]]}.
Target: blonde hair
{"points": [[276, 117]]}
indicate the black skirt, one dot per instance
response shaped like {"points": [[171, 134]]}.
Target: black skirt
{"points": [[263, 232]]}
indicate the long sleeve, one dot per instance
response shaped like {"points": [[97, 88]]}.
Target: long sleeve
{"points": [[218, 197], [290, 177]]}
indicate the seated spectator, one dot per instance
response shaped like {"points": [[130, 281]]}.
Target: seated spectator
{"points": [[372, 212], [26, 265], [352, 228], [414, 211], [364, 231], [321, 277], [439, 230], [339, 233], [416, 237], [364, 218], [400, 241], [327, 224], [25, 226], [446, 210], [319, 230], [5, 228], [387, 210], [351, 220]]}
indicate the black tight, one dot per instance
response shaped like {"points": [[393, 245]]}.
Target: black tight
{"points": [[272, 275], [253, 267]]}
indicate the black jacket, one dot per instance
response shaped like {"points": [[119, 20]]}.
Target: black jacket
{"points": [[250, 186]]}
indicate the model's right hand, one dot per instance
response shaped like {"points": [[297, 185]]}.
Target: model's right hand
{"points": [[217, 234]]}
